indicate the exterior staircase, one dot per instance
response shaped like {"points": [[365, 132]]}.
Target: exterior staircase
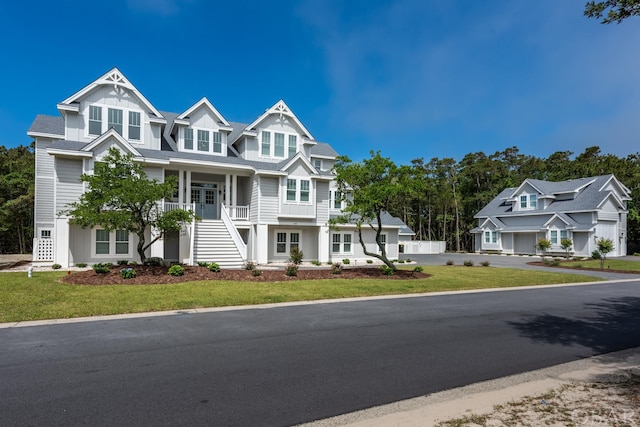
{"points": [[213, 243]]}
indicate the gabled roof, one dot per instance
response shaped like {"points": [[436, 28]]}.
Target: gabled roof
{"points": [[286, 164], [589, 196], [117, 79], [204, 102], [280, 108], [111, 133]]}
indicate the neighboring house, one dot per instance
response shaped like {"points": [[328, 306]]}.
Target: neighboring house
{"points": [[583, 210], [261, 189]]}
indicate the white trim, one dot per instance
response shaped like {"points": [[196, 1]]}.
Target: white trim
{"points": [[287, 243], [341, 243], [112, 245], [280, 108], [45, 135], [203, 102], [104, 125]]}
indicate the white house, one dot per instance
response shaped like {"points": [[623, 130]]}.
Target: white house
{"points": [[583, 210], [261, 189]]}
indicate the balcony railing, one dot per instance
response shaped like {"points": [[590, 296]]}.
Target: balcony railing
{"points": [[239, 212]]}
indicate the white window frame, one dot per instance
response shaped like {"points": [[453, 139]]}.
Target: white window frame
{"points": [[93, 119], [216, 140], [554, 240], [268, 144], [335, 196], [297, 190], [112, 245], [104, 121], [528, 202], [491, 237], [288, 241], [341, 241], [384, 237], [131, 114]]}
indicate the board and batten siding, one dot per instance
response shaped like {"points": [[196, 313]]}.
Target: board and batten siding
{"points": [[269, 200], [322, 202], [68, 184], [45, 185]]}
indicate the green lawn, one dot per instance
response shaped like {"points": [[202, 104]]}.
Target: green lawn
{"points": [[44, 297], [613, 264]]}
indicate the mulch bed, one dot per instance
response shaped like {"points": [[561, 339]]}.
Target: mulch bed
{"points": [[147, 275], [567, 265]]}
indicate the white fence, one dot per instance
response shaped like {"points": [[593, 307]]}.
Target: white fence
{"points": [[424, 247]]}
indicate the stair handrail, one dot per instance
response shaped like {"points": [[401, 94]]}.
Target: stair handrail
{"points": [[192, 237], [233, 232]]}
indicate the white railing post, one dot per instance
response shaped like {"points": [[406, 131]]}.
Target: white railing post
{"points": [[192, 237]]}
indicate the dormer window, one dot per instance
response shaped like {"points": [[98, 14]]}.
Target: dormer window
{"points": [[278, 148], [528, 201], [188, 139], [206, 141], [203, 140], [128, 123]]}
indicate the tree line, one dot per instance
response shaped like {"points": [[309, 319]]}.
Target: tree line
{"points": [[17, 183]]}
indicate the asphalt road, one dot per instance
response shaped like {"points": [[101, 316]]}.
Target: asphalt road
{"points": [[288, 365]]}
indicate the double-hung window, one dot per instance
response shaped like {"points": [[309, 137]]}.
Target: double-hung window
{"points": [[278, 142], [528, 201], [336, 199], [523, 201], [554, 237], [266, 143], [293, 145], [286, 241], [563, 235], [533, 201], [95, 120], [203, 140], [341, 243], [217, 142], [115, 120], [134, 125], [291, 190], [111, 243], [188, 139], [317, 163], [491, 236], [298, 190]]}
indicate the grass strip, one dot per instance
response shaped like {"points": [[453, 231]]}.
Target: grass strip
{"points": [[45, 297]]}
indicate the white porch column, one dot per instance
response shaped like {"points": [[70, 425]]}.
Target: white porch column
{"points": [[181, 186], [188, 198], [262, 243], [227, 191], [234, 190], [323, 244], [61, 254]]}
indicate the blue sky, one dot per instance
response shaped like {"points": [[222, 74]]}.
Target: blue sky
{"points": [[412, 78]]}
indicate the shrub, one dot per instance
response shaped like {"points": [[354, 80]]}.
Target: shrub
{"points": [[554, 263], [336, 268], [255, 272], [122, 262], [296, 255], [154, 261], [369, 261], [292, 270], [418, 269], [213, 266], [102, 267], [596, 255], [203, 264], [133, 262], [56, 266], [408, 259], [388, 271], [316, 262], [468, 263], [450, 262], [346, 261], [127, 273], [176, 270], [249, 266], [485, 263], [81, 264], [400, 261]]}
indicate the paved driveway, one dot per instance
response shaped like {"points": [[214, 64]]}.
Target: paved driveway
{"points": [[512, 262]]}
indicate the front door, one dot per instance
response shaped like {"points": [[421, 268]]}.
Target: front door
{"points": [[205, 199]]}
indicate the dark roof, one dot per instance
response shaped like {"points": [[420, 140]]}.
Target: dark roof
{"points": [[588, 197], [53, 125]]}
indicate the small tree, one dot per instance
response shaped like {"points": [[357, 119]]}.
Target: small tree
{"points": [[121, 197], [543, 246], [566, 245], [374, 187], [604, 247]]}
